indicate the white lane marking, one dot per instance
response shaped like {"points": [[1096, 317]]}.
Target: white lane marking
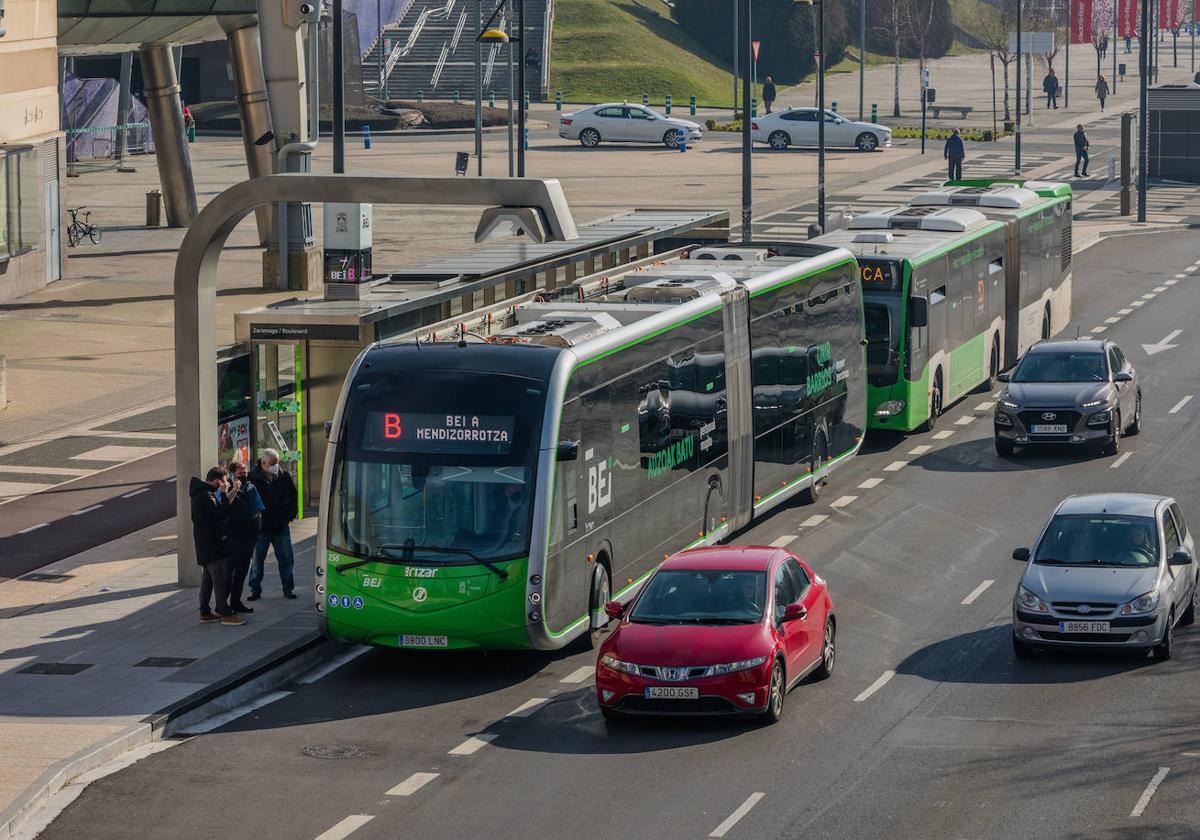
{"points": [[869, 483], [346, 827], [1165, 344], [895, 465], [171, 480], [1114, 319], [323, 671], [1160, 289], [136, 493], [1181, 276], [1137, 303], [412, 784], [875, 686], [473, 744], [963, 421], [579, 674], [843, 501], [1144, 800], [1099, 329], [528, 707], [976, 592], [814, 520], [998, 393], [984, 406], [217, 721], [87, 510], [1180, 404], [1190, 269], [1121, 459], [33, 528], [943, 434], [1149, 296], [1125, 311], [732, 820], [1191, 754], [1172, 281], [784, 541], [920, 450]]}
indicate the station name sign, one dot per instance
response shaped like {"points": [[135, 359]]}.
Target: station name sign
{"points": [[462, 434], [881, 276]]}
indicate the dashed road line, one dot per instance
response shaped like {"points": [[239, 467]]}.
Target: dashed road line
{"points": [[843, 501], [1191, 754], [1160, 289], [87, 510], [1099, 329], [528, 707], [1125, 311], [579, 674], [965, 420], [412, 784], [136, 493], [875, 686], [984, 406], [1171, 282], [1114, 319], [920, 450], [1144, 800], [1137, 303], [895, 466], [1180, 276], [33, 528], [1190, 269], [784, 541], [1121, 459], [976, 592], [943, 434], [870, 483], [732, 820], [1180, 404], [346, 827], [473, 744], [1149, 296], [814, 520]]}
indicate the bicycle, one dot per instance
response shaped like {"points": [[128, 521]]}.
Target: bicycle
{"points": [[77, 230]]}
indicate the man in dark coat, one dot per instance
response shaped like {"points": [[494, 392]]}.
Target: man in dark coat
{"points": [[242, 527], [278, 492], [1050, 87], [769, 93], [954, 152], [211, 501]]}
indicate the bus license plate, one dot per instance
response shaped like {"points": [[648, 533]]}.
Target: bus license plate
{"points": [[1083, 627], [425, 641], [1056, 429], [672, 692]]}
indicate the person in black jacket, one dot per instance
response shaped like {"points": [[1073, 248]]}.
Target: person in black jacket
{"points": [[278, 492], [1081, 150], [769, 93], [954, 152], [211, 501], [242, 527]]}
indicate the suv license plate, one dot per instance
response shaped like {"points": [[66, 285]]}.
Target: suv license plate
{"points": [[425, 641], [1083, 627], [671, 692], [1056, 429]]}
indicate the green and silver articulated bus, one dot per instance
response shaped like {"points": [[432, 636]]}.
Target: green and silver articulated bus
{"points": [[497, 488], [955, 287]]}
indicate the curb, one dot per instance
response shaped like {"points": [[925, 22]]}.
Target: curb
{"points": [[270, 672]]}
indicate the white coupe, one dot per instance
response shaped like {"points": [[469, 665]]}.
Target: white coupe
{"points": [[798, 127], [622, 122]]}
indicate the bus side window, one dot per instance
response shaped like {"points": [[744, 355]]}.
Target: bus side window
{"points": [[564, 512]]}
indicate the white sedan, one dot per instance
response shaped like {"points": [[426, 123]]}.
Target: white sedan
{"points": [[622, 122], [798, 127]]}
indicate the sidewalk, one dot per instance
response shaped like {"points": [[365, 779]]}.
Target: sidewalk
{"points": [[103, 653]]}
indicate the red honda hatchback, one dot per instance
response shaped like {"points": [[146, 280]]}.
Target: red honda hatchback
{"points": [[716, 631]]}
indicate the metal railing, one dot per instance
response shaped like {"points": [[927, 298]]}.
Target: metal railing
{"points": [[402, 50], [94, 147], [458, 30], [441, 63]]}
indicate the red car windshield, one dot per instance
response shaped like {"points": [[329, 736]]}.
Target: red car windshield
{"points": [[702, 596]]}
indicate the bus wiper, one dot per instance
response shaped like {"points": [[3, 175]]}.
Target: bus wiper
{"points": [[409, 549], [354, 564]]}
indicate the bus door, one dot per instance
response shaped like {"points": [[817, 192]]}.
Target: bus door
{"points": [[739, 395], [916, 338], [1012, 293]]}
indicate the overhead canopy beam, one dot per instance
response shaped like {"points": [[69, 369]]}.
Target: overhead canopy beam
{"points": [[196, 288]]}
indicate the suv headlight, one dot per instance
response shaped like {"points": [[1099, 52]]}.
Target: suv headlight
{"points": [[1141, 604], [618, 665], [1026, 600], [732, 667], [1003, 419], [1093, 403], [1100, 418], [1006, 402]]}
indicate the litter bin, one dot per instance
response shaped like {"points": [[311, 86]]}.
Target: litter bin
{"points": [[154, 209]]}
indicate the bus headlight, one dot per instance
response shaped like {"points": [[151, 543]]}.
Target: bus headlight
{"points": [[535, 616], [535, 597], [890, 408], [320, 571]]}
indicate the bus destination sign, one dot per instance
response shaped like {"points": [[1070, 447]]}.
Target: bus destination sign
{"points": [[462, 434], [879, 276]]}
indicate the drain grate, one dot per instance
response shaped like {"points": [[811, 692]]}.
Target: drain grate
{"points": [[41, 577], [165, 662], [337, 752], [60, 668]]}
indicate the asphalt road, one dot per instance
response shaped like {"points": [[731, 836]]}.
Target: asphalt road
{"points": [[929, 727]]}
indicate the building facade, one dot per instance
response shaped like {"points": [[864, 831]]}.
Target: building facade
{"points": [[32, 162]]}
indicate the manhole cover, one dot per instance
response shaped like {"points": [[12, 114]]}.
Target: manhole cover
{"points": [[336, 751]]}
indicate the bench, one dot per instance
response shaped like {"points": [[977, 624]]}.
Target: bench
{"points": [[962, 110]]}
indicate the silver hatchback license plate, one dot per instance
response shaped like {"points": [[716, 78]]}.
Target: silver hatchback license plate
{"points": [[1054, 429], [672, 692], [1083, 627], [425, 641]]}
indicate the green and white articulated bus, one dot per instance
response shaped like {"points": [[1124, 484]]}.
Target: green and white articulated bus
{"points": [[956, 286], [497, 488]]}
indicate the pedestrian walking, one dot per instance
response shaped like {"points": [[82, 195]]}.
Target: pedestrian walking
{"points": [[768, 93], [954, 152], [212, 499], [242, 526], [1128, 44], [1103, 47], [1081, 150], [1102, 91], [1050, 87], [278, 492], [1196, 78]]}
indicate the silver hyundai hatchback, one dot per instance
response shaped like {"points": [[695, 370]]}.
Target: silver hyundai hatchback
{"points": [[1109, 570]]}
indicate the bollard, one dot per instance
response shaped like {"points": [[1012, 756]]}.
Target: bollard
{"points": [[420, 96], [153, 209], [525, 140], [491, 99], [645, 99], [667, 105], [558, 100], [682, 140], [692, 106], [191, 133], [753, 108], [834, 108], [456, 100], [874, 113], [366, 136]]}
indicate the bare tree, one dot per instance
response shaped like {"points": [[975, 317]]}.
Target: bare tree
{"points": [[993, 32], [888, 18]]}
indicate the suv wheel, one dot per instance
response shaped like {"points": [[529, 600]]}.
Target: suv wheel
{"points": [[1136, 425], [1113, 445]]}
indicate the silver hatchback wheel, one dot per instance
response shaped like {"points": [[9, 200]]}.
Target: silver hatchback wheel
{"points": [[590, 138], [867, 142], [779, 140]]}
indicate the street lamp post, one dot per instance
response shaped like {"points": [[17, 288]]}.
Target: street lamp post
{"points": [[1143, 127], [821, 114], [339, 96], [479, 89], [493, 34], [744, 26], [1017, 138], [862, 53]]}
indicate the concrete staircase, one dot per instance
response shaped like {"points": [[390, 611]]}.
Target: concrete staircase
{"points": [[432, 50]]}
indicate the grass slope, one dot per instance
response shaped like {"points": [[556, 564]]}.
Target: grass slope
{"points": [[619, 49]]}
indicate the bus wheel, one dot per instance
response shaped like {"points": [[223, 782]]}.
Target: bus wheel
{"points": [[993, 367], [820, 453], [601, 594], [1046, 322], [935, 403]]}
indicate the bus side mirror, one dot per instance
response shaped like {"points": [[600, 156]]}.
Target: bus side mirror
{"points": [[1003, 376], [918, 312], [568, 450]]}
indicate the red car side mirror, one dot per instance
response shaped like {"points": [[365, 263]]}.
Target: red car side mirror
{"points": [[614, 609], [792, 612]]}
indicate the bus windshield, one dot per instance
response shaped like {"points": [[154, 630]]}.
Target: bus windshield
{"points": [[883, 318], [437, 467]]}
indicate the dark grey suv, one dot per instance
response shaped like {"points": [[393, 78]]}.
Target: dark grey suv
{"points": [[1075, 392]]}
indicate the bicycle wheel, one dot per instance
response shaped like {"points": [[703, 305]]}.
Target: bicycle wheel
{"points": [[72, 236], [94, 234]]}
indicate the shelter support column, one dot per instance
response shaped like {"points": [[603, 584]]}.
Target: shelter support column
{"points": [[254, 108], [170, 140]]}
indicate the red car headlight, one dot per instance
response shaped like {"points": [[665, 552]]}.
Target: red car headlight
{"points": [[617, 665], [733, 667]]}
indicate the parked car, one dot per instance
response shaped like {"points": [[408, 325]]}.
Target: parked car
{"points": [[624, 123], [798, 127], [717, 631], [1109, 570]]}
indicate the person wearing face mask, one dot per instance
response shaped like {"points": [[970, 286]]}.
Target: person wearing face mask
{"points": [[280, 507]]}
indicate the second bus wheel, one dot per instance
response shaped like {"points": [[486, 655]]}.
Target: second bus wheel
{"points": [[935, 403], [600, 594], [819, 456]]}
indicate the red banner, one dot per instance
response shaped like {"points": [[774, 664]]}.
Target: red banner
{"points": [[1081, 21], [1170, 15], [1127, 18]]}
